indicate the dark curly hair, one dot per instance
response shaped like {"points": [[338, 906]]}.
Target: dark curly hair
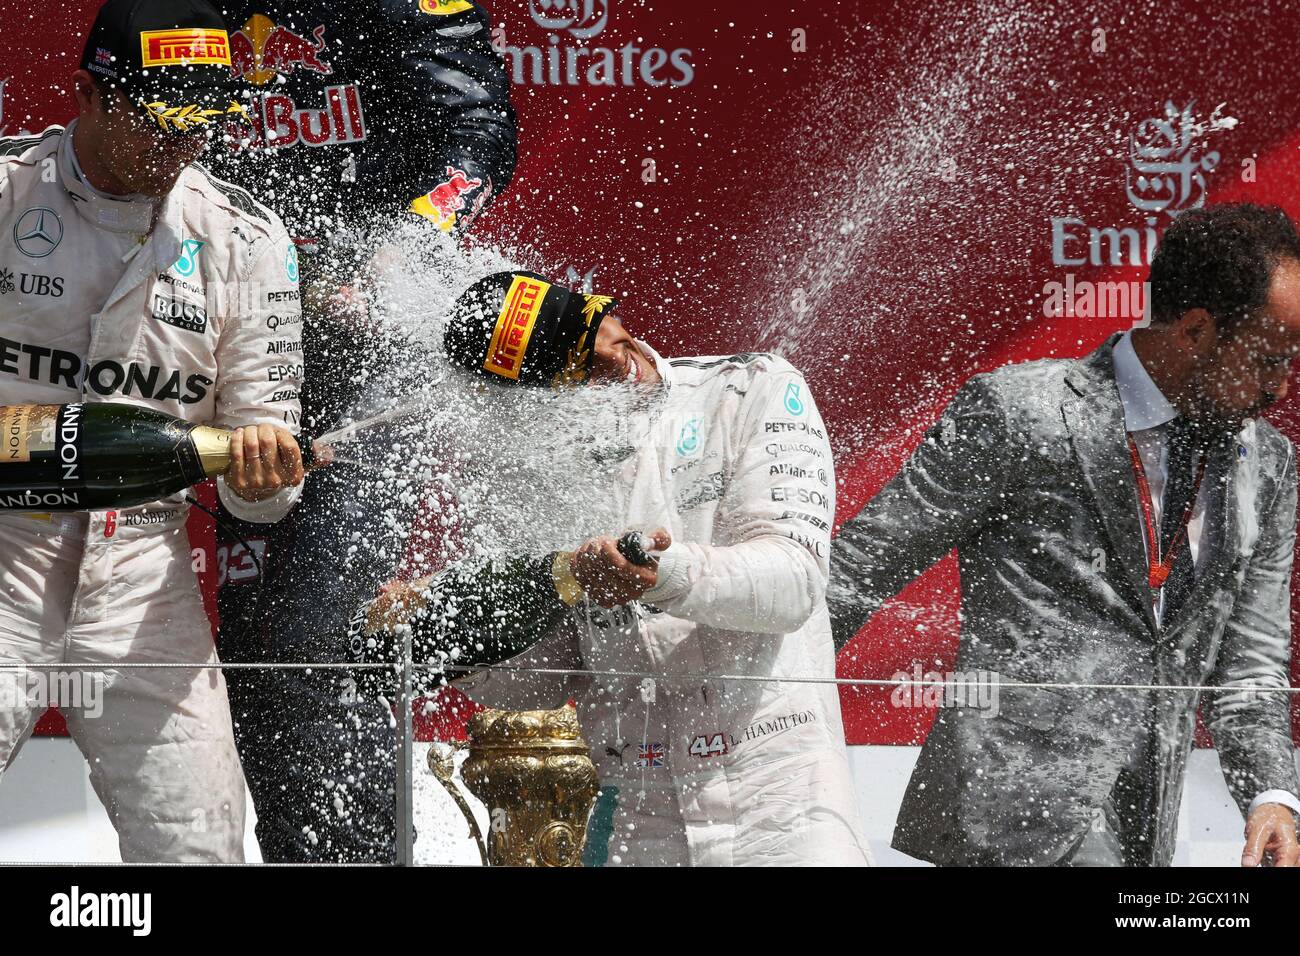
{"points": [[1221, 259]]}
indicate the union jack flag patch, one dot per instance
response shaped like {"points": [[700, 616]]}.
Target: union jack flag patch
{"points": [[651, 756]]}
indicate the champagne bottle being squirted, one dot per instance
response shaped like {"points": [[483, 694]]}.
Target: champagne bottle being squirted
{"points": [[470, 615], [480, 615], [89, 456]]}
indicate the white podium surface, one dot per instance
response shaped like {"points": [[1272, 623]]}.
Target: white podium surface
{"points": [[49, 813]]}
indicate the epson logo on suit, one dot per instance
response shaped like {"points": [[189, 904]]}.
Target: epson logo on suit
{"points": [[183, 315], [803, 496], [280, 373]]}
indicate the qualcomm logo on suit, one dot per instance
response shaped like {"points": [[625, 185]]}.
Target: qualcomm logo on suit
{"points": [[572, 61]]}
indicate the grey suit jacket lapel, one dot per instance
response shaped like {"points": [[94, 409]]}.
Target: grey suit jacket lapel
{"points": [[1095, 418]]}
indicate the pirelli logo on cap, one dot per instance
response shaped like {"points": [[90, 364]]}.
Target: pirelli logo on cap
{"points": [[515, 326], [175, 47]]}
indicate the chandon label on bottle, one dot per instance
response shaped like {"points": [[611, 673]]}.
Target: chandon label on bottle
{"points": [[95, 455], [45, 431], [14, 424], [70, 442], [31, 429]]}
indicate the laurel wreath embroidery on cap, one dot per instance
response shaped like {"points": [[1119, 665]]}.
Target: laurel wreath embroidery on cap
{"points": [[184, 118], [575, 368], [595, 304]]}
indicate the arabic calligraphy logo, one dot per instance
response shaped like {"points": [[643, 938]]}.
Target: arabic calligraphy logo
{"points": [[38, 232], [1166, 166], [582, 18]]}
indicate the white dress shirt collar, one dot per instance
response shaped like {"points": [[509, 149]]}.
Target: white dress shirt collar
{"points": [[1144, 405]]}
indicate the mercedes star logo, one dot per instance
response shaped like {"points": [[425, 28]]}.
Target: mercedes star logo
{"points": [[38, 232]]}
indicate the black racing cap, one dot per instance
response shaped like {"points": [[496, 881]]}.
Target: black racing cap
{"points": [[171, 57], [519, 329]]}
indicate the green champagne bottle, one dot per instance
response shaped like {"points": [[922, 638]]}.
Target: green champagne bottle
{"points": [[89, 456], [483, 614]]}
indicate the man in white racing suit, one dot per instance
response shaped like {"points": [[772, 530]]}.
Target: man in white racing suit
{"points": [[728, 756], [129, 275]]}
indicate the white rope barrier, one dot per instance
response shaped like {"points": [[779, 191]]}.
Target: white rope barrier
{"points": [[993, 679]]}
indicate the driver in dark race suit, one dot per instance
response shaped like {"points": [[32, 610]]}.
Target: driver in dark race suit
{"points": [[359, 115]]}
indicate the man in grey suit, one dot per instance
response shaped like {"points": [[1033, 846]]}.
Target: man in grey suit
{"points": [[1120, 519]]}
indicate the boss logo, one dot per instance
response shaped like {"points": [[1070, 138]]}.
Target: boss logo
{"points": [[183, 315]]}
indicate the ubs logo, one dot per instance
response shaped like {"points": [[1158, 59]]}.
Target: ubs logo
{"points": [[31, 283]]}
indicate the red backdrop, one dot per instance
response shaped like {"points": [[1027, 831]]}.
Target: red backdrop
{"points": [[870, 188]]}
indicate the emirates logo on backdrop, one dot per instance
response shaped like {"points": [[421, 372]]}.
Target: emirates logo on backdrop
{"points": [[570, 60], [1169, 162]]}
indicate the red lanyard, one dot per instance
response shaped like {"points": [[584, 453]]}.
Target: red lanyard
{"points": [[1158, 570]]}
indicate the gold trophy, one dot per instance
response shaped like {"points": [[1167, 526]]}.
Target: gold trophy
{"points": [[533, 772]]}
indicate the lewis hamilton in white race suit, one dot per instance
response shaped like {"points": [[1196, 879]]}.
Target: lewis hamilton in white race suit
{"points": [[186, 304], [728, 758]]}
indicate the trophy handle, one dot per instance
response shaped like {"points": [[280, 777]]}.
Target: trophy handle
{"points": [[444, 768]]}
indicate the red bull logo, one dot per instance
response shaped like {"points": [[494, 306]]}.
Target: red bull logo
{"points": [[261, 50], [444, 201], [278, 122]]}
